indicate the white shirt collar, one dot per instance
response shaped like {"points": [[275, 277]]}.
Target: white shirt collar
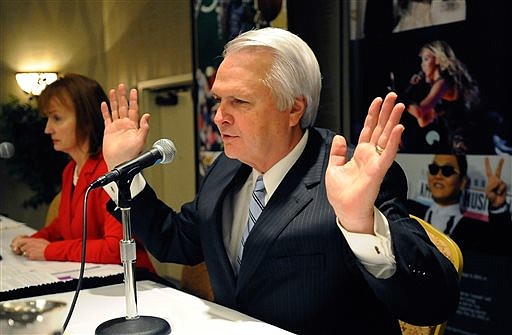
{"points": [[273, 177], [441, 214]]}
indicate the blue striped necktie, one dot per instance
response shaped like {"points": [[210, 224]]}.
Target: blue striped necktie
{"points": [[256, 205]]}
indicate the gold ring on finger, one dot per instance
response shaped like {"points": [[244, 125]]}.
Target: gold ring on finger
{"points": [[379, 149]]}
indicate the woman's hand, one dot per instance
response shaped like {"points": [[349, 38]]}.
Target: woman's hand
{"points": [[29, 247]]}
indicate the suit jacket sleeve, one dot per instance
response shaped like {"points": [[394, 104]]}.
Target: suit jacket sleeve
{"points": [[168, 236], [65, 232], [423, 274], [103, 230]]}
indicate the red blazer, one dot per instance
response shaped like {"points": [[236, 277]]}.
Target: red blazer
{"points": [[103, 230]]}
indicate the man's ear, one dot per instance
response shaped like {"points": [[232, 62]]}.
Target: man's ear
{"points": [[298, 110]]}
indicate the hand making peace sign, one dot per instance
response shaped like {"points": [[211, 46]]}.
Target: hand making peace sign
{"points": [[496, 189]]}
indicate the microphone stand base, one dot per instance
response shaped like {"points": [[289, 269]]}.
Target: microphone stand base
{"points": [[143, 325]]}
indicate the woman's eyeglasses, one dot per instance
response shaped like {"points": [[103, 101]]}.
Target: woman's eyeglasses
{"points": [[446, 170]]}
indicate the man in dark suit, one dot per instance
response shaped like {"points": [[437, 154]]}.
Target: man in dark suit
{"points": [[447, 179], [332, 248]]}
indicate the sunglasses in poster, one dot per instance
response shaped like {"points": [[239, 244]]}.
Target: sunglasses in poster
{"points": [[446, 170]]}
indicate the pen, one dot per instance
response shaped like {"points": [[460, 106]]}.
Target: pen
{"points": [[75, 270]]}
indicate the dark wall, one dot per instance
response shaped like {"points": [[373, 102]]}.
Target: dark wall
{"points": [[318, 23]]}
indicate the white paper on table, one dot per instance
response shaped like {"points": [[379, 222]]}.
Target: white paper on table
{"points": [[18, 272]]}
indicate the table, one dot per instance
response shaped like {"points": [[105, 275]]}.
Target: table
{"points": [[185, 313], [102, 298]]}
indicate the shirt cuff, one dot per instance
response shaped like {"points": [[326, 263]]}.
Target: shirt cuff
{"points": [[137, 185], [499, 210], [373, 251]]}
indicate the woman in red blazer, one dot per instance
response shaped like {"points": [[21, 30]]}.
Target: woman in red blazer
{"points": [[75, 124]]}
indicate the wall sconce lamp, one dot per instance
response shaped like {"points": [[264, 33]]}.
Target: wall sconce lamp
{"points": [[35, 82]]}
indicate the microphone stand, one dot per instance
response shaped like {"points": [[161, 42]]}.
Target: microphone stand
{"points": [[133, 323]]}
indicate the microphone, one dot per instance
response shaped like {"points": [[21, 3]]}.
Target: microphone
{"points": [[163, 152], [419, 76], [6, 150]]}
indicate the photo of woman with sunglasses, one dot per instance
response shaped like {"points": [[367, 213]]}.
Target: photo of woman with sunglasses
{"points": [[447, 180]]}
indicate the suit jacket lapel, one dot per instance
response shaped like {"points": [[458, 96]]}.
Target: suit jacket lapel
{"points": [[229, 175], [290, 198], [86, 177]]}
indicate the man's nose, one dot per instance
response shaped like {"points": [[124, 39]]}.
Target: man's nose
{"points": [[221, 115]]}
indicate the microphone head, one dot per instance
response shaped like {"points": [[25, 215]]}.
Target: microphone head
{"points": [[167, 149], [6, 150]]}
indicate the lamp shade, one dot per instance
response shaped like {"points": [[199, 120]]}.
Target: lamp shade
{"points": [[35, 82]]}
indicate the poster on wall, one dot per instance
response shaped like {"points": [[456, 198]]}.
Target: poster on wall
{"points": [[215, 23], [468, 197], [448, 62]]}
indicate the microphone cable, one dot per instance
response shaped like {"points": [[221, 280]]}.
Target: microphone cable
{"points": [[82, 262]]}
